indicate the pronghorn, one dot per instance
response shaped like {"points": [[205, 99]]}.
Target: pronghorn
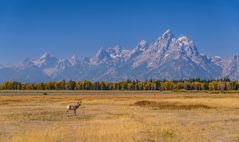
{"points": [[74, 107]]}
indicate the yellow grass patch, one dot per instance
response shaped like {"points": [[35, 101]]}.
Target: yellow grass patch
{"points": [[129, 118]]}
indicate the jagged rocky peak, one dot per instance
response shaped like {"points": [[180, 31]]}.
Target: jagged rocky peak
{"points": [[46, 60], [168, 34], [217, 60], [231, 69], [168, 43], [45, 55], [163, 41], [236, 57], [142, 45], [117, 52], [85, 59], [187, 46], [184, 41], [74, 59], [117, 47], [27, 62], [102, 54], [170, 46]]}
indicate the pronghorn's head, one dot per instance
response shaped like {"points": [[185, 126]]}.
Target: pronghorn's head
{"points": [[79, 102]]}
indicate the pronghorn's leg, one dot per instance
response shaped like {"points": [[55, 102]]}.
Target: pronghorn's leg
{"points": [[67, 111], [75, 111]]}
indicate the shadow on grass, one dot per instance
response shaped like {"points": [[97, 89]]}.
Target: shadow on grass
{"points": [[171, 105]]}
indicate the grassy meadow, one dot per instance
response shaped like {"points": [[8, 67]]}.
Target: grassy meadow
{"points": [[119, 117]]}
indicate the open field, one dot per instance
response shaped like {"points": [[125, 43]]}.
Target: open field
{"points": [[125, 117]]}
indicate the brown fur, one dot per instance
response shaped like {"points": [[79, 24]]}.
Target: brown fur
{"points": [[73, 107]]}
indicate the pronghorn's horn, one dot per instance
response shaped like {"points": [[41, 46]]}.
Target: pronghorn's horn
{"points": [[80, 101]]}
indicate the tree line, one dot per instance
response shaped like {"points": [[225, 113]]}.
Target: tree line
{"points": [[193, 84]]}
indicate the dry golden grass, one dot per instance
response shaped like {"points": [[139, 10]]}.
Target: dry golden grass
{"points": [[120, 118]]}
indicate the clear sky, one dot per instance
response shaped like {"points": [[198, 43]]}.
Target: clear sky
{"points": [[28, 28]]}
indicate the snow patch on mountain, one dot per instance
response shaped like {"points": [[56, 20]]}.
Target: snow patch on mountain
{"points": [[231, 69]]}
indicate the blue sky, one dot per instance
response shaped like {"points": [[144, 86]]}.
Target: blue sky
{"points": [[28, 28]]}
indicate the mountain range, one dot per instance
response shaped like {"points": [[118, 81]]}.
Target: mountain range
{"points": [[170, 57]]}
